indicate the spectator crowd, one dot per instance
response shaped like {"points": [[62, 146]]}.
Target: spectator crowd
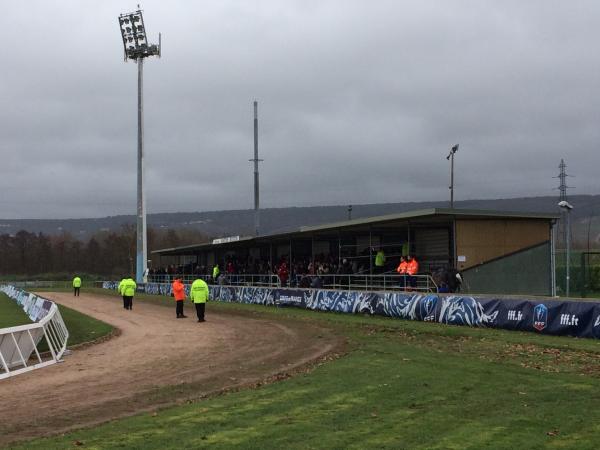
{"points": [[325, 270]]}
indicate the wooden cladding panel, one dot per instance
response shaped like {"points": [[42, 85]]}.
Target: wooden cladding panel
{"points": [[480, 241]]}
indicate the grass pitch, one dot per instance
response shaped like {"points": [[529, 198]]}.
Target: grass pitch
{"points": [[401, 385]]}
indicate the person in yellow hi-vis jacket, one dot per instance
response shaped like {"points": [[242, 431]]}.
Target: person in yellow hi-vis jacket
{"points": [[76, 286], [120, 290], [128, 290], [199, 295]]}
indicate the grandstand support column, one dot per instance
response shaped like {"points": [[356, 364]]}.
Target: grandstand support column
{"points": [[408, 238], [454, 247], [370, 251], [339, 249]]}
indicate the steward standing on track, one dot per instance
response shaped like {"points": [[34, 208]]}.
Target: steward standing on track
{"points": [[128, 290], [120, 290], [76, 286], [179, 293], [199, 295]]}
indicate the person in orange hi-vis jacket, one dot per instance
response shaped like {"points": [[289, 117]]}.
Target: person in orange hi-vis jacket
{"points": [[179, 293], [401, 269], [412, 269]]}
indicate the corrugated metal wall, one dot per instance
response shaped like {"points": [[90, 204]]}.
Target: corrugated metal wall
{"points": [[432, 247], [525, 272]]}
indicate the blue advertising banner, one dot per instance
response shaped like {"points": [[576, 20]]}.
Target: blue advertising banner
{"points": [[569, 318]]}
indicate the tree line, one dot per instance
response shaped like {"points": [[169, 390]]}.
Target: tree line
{"points": [[106, 253]]}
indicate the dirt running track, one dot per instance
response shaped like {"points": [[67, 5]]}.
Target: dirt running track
{"points": [[157, 360]]}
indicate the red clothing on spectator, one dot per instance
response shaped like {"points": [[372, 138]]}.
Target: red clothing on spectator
{"points": [[283, 273]]}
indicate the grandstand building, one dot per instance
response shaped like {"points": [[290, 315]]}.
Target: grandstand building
{"points": [[496, 251]]}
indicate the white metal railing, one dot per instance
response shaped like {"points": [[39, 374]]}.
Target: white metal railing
{"points": [[360, 281], [18, 344], [264, 280], [41, 284]]}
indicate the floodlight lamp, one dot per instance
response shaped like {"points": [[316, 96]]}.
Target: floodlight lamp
{"points": [[565, 205], [135, 40], [453, 150]]}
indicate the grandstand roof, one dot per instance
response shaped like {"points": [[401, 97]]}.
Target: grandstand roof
{"points": [[422, 216]]}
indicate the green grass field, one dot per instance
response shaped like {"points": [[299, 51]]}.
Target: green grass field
{"points": [[401, 385], [11, 314], [81, 328]]}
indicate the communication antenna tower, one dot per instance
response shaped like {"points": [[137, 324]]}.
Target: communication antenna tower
{"points": [[562, 176], [562, 188]]}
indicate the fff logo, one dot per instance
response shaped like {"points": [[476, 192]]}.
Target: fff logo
{"points": [[540, 317]]}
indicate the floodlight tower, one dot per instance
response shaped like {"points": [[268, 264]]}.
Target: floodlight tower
{"points": [[136, 47]]}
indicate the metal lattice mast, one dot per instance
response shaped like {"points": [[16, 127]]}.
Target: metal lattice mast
{"points": [[563, 230], [562, 176]]}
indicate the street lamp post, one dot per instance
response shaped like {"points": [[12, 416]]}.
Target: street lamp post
{"points": [[136, 47], [450, 157], [565, 205]]}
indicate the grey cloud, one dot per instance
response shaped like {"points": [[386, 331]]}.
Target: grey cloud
{"points": [[359, 102]]}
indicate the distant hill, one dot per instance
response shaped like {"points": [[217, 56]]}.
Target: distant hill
{"points": [[274, 220]]}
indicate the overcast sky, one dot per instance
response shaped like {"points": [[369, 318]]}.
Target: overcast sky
{"points": [[359, 102]]}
